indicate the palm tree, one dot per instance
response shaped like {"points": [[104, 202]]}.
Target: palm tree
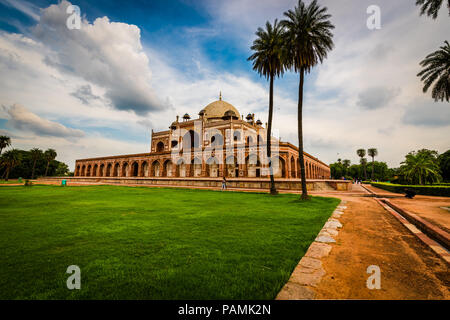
{"points": [[436, 66], [418, 167], [5, 141], [431, 7], [372, 152], [308, 40], [36, 154], [362, 153], [9, 160], [49, 155], [363, 162], [268, 61]]}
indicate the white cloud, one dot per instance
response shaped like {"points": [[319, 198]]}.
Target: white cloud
{"points": [[108, 54], [24, 120]]}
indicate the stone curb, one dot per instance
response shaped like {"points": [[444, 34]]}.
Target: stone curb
{"points": [[309, 271], [433, 245], [431, 230]]}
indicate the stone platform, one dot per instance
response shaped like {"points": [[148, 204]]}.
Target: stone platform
{"points": [[236, 183]]}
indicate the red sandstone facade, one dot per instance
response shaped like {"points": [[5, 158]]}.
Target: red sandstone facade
{"points": [[219, 143]]}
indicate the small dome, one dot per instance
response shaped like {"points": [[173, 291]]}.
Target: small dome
{"points": [[217, 109], [173, 126], [186, 116], [258, 122], [249, 117]]}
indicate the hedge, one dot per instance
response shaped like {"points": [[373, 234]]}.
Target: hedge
{"points": [[428, 190]]}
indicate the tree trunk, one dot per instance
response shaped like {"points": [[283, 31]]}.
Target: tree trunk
{"points": [[7, 174], [273, 190], [365, 172], [300, 135], [46, 169], [373, 166], [34, 167]]}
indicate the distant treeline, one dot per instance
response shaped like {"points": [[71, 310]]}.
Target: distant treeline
{"points": [[24, 167]]}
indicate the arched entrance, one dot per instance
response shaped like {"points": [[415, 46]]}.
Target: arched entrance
{"points": [[231, 166], [116, 169], [156, 170], [279, 167], [191, 141], [134, 169], [181, 168], [212, 167], [160, 147], [108, 170], [293, 171], [125, 170], [167, 168], [196, 168], [144, 169]]}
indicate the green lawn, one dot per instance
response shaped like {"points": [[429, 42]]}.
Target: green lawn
{"points": [[10, 181], [151, 243]]}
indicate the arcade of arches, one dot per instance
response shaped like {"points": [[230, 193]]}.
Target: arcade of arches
{"points": [[216, 121]]}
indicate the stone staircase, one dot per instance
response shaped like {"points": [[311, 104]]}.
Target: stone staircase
{"points": [[323, 186]]}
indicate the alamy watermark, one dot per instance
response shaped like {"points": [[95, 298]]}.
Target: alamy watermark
{"points": [[374, 280], [74, 19], [74, 280], [374, 20]]}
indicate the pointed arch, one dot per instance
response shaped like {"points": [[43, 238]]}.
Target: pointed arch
{"points": [[144, 169]]}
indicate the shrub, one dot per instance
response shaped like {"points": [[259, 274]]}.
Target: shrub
{"points": [[28, 183], [428, 190]]}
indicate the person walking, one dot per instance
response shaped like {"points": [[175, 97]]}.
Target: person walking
{"points": [[224, 184]]}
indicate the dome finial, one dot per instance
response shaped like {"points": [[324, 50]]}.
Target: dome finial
{"points": [[220, 95]]}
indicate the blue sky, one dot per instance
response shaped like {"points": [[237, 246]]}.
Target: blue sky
{"points": [[134, 66]]}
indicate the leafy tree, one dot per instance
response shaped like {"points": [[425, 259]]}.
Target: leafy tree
{"points": [[5, 142], [308, 40], [25, 168], [62, 169], [268, 61], [9, 160], [36, 154], [49, 155], [372, 152], [431, 7], [337, 171], [444, 165], [421, 167], [436, 69], [362, 153], [354, 171], [380, 170], [346, 164]]}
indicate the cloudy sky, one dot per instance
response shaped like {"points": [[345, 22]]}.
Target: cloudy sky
{"points": [[134, 65]]}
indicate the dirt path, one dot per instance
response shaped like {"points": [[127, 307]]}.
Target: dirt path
{"points": [[372, 236]]}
